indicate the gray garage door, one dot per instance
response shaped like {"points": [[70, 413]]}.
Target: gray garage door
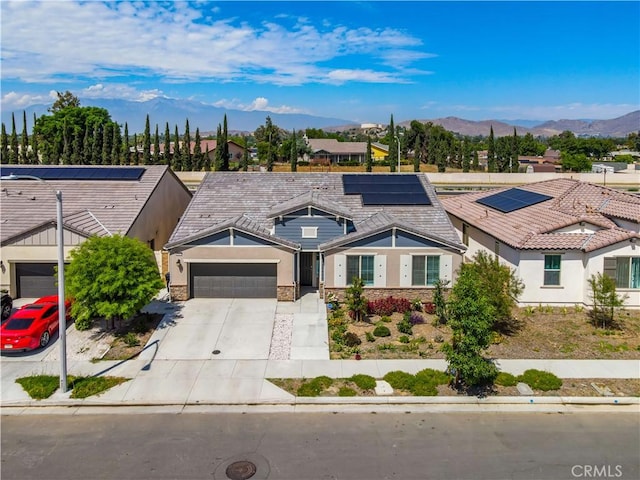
{"points": [[233, 280], [36, 279]]}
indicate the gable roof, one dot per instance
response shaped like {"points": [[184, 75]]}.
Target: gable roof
{"points": [[536, 226], [93, 206], [331, 145], [261, 196]]}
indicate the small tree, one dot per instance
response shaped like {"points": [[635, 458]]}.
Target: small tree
{"points": [[470, 318], [369, 160], [605, 299], [355, 300], [111, 278], [439, 301]]}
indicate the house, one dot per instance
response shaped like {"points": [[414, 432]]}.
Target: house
{"points": [[379, 151], [271, 234], [140, 202], [556, 234], [208, 147], [330, 150]]}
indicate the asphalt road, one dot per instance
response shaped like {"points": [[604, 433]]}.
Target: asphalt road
{"points": [[321, 446]]}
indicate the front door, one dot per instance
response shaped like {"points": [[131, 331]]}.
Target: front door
{"points": [[306, 269]]}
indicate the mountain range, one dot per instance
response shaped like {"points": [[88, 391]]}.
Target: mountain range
{"points": [[207, 117]]}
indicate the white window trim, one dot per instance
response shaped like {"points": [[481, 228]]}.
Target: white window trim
{"points": [[309, 232]]}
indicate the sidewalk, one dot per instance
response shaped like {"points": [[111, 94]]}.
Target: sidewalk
{"points": [[223, 383]]}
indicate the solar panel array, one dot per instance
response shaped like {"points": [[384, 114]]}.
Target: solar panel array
{"points": [[75, 173], [512, 200], [386, 189]]}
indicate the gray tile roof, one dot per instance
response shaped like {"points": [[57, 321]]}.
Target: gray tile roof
{"points": [[225, 195], [314, 199], [89, 206]]}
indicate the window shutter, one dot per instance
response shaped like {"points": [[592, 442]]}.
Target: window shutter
{"points": [[339, 270], [380, 271], [405, 270], [446, 267]]}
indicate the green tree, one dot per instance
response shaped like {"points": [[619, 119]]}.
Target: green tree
{"points": [[439, 300], [355, 300], [156, 147], [225, 145], [198, 157], [126, 147], [513, 163], [66, 144], [35, 156], [116, 145], [64, 100], [107, 139], [575, 162], [112, 278], [219, 160], [135, 154], [368, 162], [96, 151], [186, 150], [87, 145], [605, 300], [146, 143], [417, 154], [393, 146], [13, 142], [268, 137], [293, 157], [491, 152], [245, 155], [167, 145], [466, 155], [470, 316], [4, 145], [177, 158], [24, 141], [77, 148], [530, 147]]}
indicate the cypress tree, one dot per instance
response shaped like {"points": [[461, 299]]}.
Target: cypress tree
{"points": [[24, 144], [225, 145], [417, 150], [369, 159], [197, 152], [146, 143], [177, 159], [466, 155], [186, 150], [126, 147], [393, 150], [76, 148], [96, 150], [293, 157], [116, 145], [491, 152], [245, 155], [513, 161], [87, 145], [66, 144], [219, 160], [207, 160], [156, 147], [136, 157], [35, 158], [167, 145], [475, 163], [4, 145], [107, 138], [13, 142]]}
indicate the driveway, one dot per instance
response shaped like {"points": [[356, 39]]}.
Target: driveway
{"points": [[239, 329]]}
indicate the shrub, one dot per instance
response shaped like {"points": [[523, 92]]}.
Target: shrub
{"points": [[370, 337], [346, 392], [364, 382], [540, 380], [400, 380], [405, 327], [506, 379], [417, 305], [385, 319], [429, 308], [314, 387], [403, 339], [424, 389], [381, 331], [355, 301], [439, 301], [131, 339], [387, 306], [350, 339], [436, 377], [323, 381], [415, 318]]}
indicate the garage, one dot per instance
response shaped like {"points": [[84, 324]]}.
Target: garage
{"points": [[36, 280], [233, 280]]}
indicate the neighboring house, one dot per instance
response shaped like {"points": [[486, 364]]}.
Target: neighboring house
{"points": [[269, 234], [379, 151], [140, 202], [556, 234], [208, 147], [330, 150]]}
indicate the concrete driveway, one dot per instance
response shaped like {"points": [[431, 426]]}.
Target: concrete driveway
{"points": [[240, 329]]}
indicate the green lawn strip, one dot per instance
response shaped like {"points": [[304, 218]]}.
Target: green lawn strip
{"points": [[40, 387]]}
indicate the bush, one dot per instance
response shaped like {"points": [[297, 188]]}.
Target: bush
{"points": [[370, 337], [400, 380], [346, 392], [506, 379], [387, 306], [403, 339], [351, 339], [381, 331], [385, 319], [314, 387], [540, 380], [415, 318], [424, 389], [131, 339], [429, 308], [405, 327], [364, 382], [436, 377]]}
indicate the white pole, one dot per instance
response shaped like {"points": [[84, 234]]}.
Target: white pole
{"points": [[62, 314]]}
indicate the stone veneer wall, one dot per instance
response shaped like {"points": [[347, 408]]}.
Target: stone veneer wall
{"points": [[179, 293], [286, 293], [424, 294]]}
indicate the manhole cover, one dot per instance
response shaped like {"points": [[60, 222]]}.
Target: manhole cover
{"points": [[216, 352], [240, 470]]}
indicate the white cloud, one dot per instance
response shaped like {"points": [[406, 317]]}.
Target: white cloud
{"points": [[115, 90], [99, 40], [257, 104], [15, 100]]}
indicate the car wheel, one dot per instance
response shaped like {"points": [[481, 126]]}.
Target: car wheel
{"points": [[6, 311], [44, 339]]}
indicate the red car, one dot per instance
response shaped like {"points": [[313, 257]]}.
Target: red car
{"points": [[32, 325]]}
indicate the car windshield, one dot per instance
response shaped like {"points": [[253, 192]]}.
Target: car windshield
{"points": [[33, 306], [18, 324]]}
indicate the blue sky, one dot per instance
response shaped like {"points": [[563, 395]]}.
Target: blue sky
{"points": [[361, 61]]}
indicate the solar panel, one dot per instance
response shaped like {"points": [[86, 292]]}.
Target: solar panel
{"points": [[512, 200], [75, 173], [386, 189]]}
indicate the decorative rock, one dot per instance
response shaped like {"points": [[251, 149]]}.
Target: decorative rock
{"points": [[524, 389], [383, 388], [602, 390]]}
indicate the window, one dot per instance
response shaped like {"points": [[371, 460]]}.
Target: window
{"points": [[309, 232], [425, 270], [624, 270], [552, 270], [360, 266], [465, 234]]}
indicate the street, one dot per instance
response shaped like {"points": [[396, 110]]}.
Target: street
{"points": [[322, 446]]}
